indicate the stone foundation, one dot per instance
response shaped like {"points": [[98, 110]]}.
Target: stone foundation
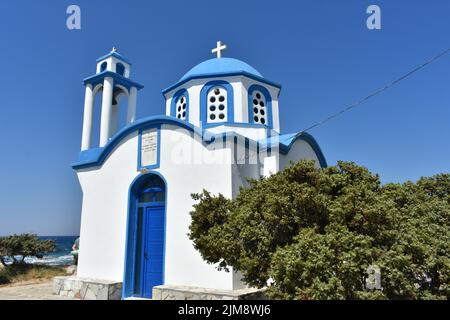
{"points": [[87, 289], [167, 292]]}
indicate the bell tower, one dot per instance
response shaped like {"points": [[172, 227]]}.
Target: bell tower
{"points": [[112, 78]]}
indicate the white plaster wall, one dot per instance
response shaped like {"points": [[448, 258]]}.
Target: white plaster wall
{"points": [[240, 102], [184, 265], [276, 115], [112, 61], [105, 207], [240, 86], [194, 88], [254, 133], [104, 213], [301, 150], [274, 92], [168, 109]]}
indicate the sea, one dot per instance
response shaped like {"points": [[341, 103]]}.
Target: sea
{"points": [[61, 257]]}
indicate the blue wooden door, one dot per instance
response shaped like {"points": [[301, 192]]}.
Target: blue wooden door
{"points": [[153, 249]]}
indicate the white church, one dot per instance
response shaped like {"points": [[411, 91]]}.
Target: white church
{"points": [[221, 126]]}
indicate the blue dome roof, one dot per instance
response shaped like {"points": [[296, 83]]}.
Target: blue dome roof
{"points": [[220, 66]]}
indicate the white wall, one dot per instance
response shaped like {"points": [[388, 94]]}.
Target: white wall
{"points": [[104, 213], [240, 86], [184, 265], [301, 150], [255, 134], [112, 62], [105, 207]]}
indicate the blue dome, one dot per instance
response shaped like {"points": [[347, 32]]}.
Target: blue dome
{"points": [[220, 66]]}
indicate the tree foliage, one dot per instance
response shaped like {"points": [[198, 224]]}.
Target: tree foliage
{"points": [[314, 232], [24, 245]]}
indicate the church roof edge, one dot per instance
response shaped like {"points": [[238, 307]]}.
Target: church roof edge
{"points": [[116, 55], [95, 157], [220, 75]]}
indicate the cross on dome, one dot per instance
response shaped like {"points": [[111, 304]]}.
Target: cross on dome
{"points": [[218, 50]]}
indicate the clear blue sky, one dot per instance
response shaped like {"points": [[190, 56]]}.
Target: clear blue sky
{"points": [[320, 51]]}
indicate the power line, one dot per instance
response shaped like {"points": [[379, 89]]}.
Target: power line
{"points": [[378, 91]]}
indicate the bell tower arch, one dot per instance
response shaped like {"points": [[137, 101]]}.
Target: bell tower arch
{"points": [[112, 79]]}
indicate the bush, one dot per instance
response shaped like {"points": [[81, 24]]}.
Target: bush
{"points": [[314, 232], [24, 245]]}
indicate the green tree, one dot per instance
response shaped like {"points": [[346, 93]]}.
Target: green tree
{"points": [[24, 245], [314, 232]]}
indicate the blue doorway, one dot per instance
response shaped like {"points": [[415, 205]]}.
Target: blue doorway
{"points": [[144, 266]]}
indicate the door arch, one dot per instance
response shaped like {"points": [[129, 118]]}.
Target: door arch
{"points": [[146, 230]]}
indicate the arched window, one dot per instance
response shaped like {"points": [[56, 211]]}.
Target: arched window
{"points": [[152, 190], [103, 66], [217, 104], [180, 105], [120, 69], [259, 106]]}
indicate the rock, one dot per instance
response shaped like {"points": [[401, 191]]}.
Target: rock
{"points": [[71, 270], [87, 289]]}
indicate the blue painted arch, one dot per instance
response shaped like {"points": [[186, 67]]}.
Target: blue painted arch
{"points": [[287, 141], [267, 96], [204, 101], [103, 66], [173, 106], [95, 157], [128, 289], [120, 69]]}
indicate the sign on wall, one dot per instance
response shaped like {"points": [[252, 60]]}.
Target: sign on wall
{"points": [[149, 148]]}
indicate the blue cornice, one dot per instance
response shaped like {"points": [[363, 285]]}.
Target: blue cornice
{"points": [[95, 157], [116, 55], [118, 79], [287, 141], [221, 75], [236, 124]]}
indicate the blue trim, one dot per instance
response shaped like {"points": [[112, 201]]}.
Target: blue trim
{"points": [[288, 140], [204, 100], [178, 94], [236, 124], [96, 157], [120, 69], [222, 74], [266, 93], [116, 55], [103, 66], [220, 65], [118, 79], [131, 234], [158, 152]]}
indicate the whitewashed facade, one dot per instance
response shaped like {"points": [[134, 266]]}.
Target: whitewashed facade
{"points": [[221, 126]]}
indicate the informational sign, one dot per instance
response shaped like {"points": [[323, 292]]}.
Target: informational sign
{"points": [[149, 147]]}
